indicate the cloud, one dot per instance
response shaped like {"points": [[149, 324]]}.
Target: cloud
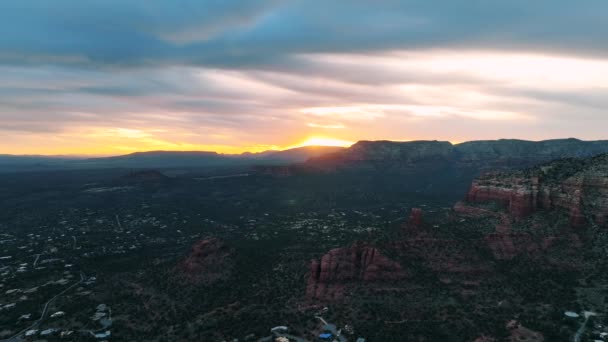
{"points": [[325, 126], [268, 72], [266, 33]]}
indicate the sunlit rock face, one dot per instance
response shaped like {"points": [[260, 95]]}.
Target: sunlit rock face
{"points": [[578, 186], [518, 195]]}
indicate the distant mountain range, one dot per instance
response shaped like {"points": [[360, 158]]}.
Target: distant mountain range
{"points": [[164, 159], [505, 153]]}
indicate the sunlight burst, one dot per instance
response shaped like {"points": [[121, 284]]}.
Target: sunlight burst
{"points": [[324, 141]]}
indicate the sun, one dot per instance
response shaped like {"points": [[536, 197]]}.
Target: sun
{"points": [[324, 141]]}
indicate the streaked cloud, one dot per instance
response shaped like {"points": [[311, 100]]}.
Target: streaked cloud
{"points": [[326, 126], [111, 76]]}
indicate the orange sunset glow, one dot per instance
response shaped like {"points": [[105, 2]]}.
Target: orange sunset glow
{"points": [[197, 93], [121, 141]]}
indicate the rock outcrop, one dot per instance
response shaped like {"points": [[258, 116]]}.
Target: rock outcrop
{"points": [[209, 261], [416, 217], [329, 277], [518, 194], [415, 227], [578, 186]]}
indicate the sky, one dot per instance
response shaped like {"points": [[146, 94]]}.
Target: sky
{"points": [[107, 77]]}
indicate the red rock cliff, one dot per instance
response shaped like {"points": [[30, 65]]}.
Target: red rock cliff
{"points": [[210, 261], [416, 217], [329, 276], [579, 187]]}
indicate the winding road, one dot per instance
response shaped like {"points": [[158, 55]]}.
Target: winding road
{"points": [[17, 337], [581, 330]]}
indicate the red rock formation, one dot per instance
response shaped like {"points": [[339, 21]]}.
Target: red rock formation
{"points": [[209, 261], [416, 217], [583, 193], [415, 226], [518, 195], [341, 266]]}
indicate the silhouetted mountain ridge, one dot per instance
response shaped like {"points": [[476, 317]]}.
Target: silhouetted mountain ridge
{"points": [[504, 153], [166, 159], [382, 154]]}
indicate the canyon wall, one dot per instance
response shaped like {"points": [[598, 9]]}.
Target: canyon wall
{"points": [[329, 276], [580, 187]]}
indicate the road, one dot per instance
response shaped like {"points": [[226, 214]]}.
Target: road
{"points": [[17, 337], [333, 329], [118, 222], [581, 330], [36, 261]]}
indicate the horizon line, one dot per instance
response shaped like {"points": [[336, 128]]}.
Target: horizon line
{"points": [[86, 156]]}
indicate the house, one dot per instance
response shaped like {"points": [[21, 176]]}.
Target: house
{"points": [[8, 306], [48, 332], [279, 329], [326, 336], [66, 333], [31, 332], [103, 335], [571, 314], [58, 314]]}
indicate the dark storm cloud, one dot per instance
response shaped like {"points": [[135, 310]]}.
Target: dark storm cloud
{"points": [[116, 32], [249, 33]]}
